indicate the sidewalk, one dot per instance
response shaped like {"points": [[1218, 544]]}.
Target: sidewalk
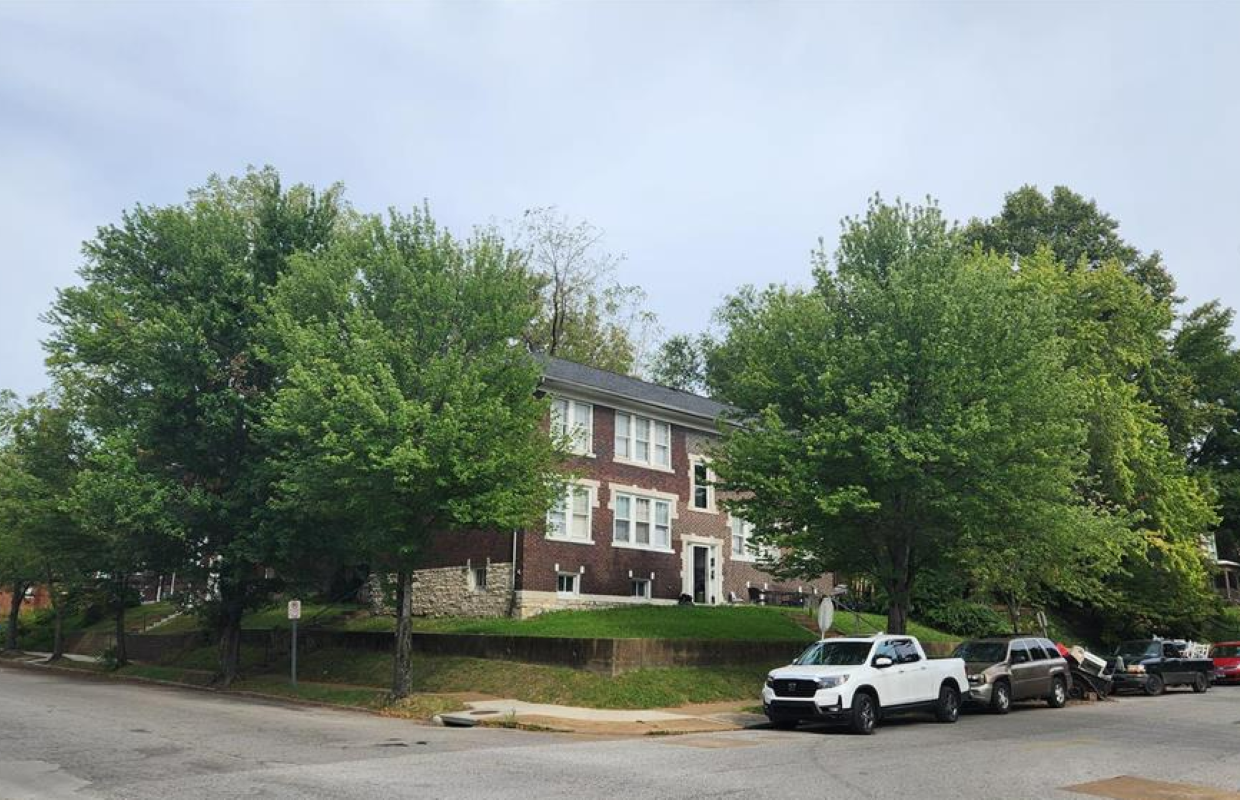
{"points": [[573, 719]]}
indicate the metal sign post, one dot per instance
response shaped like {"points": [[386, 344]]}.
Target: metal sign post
{"points": [[294, 614]]}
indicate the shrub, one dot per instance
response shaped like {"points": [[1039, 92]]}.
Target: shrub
{"points": [[965, 618]]}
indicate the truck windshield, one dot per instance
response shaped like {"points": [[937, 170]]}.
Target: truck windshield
{"points": [[834, 654], [1135, 651], [1225, 651], [982, 652]]}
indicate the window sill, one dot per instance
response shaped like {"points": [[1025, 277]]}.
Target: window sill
{"points": [[647, 548], [744, 559], [643, 465], [702, 510], [567, 540]]}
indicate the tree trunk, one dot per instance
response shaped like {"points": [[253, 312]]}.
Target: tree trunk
{"points": [[58, 626], [897, 615], [899, 589], [1014, 613], [15, 610], [122, 652], [401, 660], [232, 609]]}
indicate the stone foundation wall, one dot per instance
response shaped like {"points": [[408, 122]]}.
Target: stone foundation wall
{"points": [[530, 603], [450, 592]]}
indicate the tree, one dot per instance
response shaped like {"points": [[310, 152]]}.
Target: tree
{"points": [[160, 341], [129, 519], [1142, 407], [914, 399], [680, 363], [1205, 348], [585, 315], [42, 456], [1078, 233], [409, 406]]}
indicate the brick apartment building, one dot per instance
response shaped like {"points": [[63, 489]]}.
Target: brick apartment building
{"points": [[639, 524]]}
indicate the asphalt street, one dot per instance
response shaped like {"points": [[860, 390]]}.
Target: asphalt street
{"points": [[66, 737]]}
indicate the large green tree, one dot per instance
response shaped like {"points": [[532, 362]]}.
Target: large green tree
{"points": [[915, 399], [130, 520], [42, 446], [410, 403], [1142, 406], [160, 340]]}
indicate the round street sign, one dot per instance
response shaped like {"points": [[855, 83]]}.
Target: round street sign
{"points": [[826, 615]]}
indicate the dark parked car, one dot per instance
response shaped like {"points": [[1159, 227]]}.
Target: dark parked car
{"points": [[1010, 668], [1151, 665]]}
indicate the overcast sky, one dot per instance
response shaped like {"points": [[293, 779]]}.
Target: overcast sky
{"points": [[714, 142]]}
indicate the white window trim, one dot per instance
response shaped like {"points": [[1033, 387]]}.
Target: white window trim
{"points": [[588, 452], [672, 501], [473, 578], [671, 440], [576, 576], [711, 508], [649, 588], [749, 557], [592, 487]]}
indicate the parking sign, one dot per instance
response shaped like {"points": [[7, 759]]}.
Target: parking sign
{"points": [[294, 609]]}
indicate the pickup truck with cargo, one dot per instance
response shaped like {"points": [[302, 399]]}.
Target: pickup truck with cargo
{"points": [[1151, 665], [860, 680]]}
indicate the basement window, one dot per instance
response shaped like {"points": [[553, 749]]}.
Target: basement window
{"points": [[641, 588], [478, 579], [566, 584]]}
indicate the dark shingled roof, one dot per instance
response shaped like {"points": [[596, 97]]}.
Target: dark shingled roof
{"points": [[632, 388]]}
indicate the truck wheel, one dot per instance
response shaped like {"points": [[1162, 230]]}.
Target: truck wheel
{"points": [[947, 709], [1154, 686], [1001, 698], [864, 714], [1200, 684], [1059, 694]]}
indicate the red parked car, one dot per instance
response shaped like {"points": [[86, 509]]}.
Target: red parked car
{"points": [[1226, 657]]}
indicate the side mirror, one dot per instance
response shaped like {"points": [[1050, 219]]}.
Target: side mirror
{"points": [[882, 662]]}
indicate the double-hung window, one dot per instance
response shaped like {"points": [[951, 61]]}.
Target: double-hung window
{"points": [[573, 420], [702, 497], [570, 518], [741, 531], [642, 440], [643, 522]]}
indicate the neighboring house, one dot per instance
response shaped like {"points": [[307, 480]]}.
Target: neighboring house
{"points": [[640, 522], [36, 597], [1227, 576]]}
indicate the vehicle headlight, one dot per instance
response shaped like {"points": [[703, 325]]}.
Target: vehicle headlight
{"points": [[977, 679], [770, 681], [831, 681], [1136, 669]]}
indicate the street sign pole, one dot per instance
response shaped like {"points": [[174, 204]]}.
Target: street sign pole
{"points": [[294, 652], [294, 614]]}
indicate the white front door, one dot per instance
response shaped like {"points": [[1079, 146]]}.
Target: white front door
{"points": [[701, 573]]}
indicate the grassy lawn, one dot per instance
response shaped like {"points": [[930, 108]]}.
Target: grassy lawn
{"points": [[647, 688], [846, 624], [752, 623], [275, 616]]}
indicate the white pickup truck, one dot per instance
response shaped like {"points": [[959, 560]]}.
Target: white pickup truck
{"points": [[859, 680]]}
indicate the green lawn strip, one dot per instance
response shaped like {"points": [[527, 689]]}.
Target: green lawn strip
{"points": [[646, 688], [419, 706], [745, 623], [160, 672], [846, 624]]}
